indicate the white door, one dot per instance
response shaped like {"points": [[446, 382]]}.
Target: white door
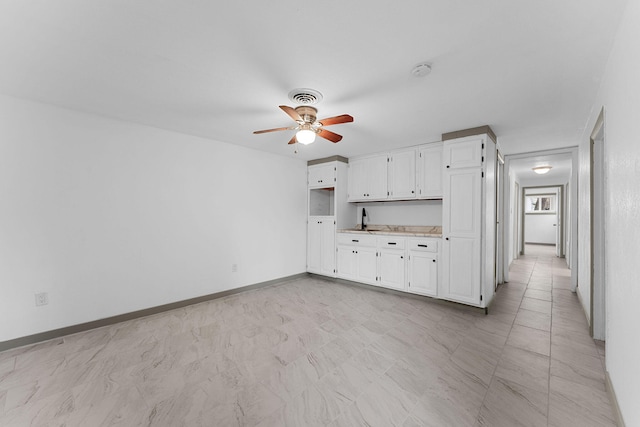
{"points": [[430, 172], [423, 273], [461, 215], [463, 154], [377, 177], [322, 175], [367, 265], [461, 230], [314, 245], [392, 269], [328, 247], [357, 180], [346, 264], [402, 174]]}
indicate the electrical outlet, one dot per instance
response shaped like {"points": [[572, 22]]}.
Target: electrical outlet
{"points": [[234, 268], [42, 299]]}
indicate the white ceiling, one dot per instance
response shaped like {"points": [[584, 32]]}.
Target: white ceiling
{"points": [[560, 172], [217, 69]]}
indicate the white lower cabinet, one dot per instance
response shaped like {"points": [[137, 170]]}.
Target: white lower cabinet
{"points": [[320, 245], [392, 262], [395, 262], [392, 269], [356, 257], [423, 267]]}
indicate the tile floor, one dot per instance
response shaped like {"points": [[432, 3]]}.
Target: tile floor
{"points": [[312, 352]]}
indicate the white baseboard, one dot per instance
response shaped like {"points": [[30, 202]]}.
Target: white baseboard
{"points": [[614, 400]]}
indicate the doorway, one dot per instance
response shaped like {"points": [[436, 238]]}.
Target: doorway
{"points": [[541, 217], [519, 174], [597, 216]]}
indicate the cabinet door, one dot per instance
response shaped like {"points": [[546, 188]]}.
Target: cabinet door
{"points": [[461, 222], [429, 174], [463, 154], [376, 182], [423, 273], [314, 245], [392, 269], [402, 174], [357, 180], [367, 265], [461, 275], [346, 262], [461, 204], [321, 175], [328, 247]]}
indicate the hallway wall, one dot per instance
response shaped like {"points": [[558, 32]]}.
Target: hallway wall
{"points": [[620, 96]]}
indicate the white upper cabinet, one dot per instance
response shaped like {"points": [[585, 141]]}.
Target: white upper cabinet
{"points": [[429, 171], [368, 178], [463, 154], [402, 174], [322, 175]]}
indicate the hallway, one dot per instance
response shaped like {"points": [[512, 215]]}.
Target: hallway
{"points": [[563, 368]]}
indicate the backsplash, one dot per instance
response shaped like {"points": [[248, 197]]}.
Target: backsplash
{"points": [[407, 213]]}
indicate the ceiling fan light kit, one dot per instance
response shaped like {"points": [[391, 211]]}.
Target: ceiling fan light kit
{"points": [[305, 136]]}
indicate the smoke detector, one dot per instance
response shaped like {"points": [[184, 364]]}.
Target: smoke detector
{"points": [[421, 70], [305, 96]]}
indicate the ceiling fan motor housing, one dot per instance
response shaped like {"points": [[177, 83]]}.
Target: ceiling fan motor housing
{"points": [[307, 113]]}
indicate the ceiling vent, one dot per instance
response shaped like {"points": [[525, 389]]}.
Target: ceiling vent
{"points": [[305, 96]]}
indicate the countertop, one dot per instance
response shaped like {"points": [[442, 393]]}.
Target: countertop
{"points": [[398, 230]]}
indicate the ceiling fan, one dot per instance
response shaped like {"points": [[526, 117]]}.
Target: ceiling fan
{"points": [[308, 126]]}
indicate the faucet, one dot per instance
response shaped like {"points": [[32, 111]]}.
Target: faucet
{"points": [[364, 215]]}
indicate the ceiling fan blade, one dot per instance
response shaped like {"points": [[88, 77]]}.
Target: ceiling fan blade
{"points": [[331, 136], [292, 140], [273, 130], [292, 113], [344, 118]]}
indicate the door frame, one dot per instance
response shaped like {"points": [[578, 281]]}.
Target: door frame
{"points": [[559, 216], [572, 200], [597, 212]]}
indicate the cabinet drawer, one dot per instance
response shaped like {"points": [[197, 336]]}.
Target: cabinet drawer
{"points": [[362, 240], [425, 245], [392, 242]]}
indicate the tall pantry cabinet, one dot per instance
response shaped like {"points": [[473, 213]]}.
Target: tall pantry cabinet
{"points": [[328, 210], [469, 220]]}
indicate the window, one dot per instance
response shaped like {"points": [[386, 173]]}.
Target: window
{"points": [[540, 203]]}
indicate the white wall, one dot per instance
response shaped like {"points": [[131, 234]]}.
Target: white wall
{"points": [[110, 217], [620, 95], [416, 212]]}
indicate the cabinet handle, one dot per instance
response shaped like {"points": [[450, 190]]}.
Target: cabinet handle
{"points": [[447, 166], [391, 243], [422, 246], [446, 238], [401, 257], [434, 260], [412, 192], [354, 240]]}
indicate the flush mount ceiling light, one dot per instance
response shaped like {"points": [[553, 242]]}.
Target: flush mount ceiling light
{"points": [[541, 169]]}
